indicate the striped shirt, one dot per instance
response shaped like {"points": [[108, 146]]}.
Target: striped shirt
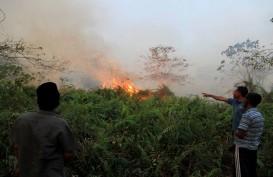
{"points": [[252, 122]]}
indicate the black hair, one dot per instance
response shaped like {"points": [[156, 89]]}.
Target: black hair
{"points": [[254, 99], [243, 90], [48, 96]]}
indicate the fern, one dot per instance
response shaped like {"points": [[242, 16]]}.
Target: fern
{"points": [[166, 131]]}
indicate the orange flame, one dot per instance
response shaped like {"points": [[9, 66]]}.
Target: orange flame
{"points": [[125, 84]]}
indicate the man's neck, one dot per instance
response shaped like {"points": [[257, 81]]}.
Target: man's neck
{"points": [[249, 107]]}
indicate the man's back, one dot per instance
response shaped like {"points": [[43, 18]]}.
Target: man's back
{"points": [[42, 139]]}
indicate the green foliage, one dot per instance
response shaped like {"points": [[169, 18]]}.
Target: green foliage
{"points": [[123, 135], [16, 97], [14, 94]]}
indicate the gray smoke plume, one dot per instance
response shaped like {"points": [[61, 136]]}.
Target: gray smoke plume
{"points": [[67, 29]]}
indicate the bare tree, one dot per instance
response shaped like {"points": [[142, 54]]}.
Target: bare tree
{"points": [[22, 54], [4, 15], [162, 66], [248, 62]]}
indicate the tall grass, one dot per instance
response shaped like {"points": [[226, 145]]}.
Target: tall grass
{"points": [[130, 137]]}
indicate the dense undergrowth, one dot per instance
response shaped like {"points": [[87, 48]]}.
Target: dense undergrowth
{"points": [[124, 136]]}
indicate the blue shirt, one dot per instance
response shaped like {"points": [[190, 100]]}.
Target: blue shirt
{"points": [[237, 112], [252, 123]]}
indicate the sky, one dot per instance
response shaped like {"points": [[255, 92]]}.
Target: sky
{"points": [[102, 38]]}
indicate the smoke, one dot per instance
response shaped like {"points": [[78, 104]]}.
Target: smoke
{"points": [[67, 29]]}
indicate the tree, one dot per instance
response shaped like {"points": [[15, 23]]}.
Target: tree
{"points": [[19, 53], [22, 54], [162, 66], [164, 91], [248, 62], [4, 15]]}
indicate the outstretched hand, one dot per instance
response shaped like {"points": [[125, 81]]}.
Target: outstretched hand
{"points": [[205, 94]]}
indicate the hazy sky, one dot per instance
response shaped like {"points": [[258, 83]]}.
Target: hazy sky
{"points": [[119, 31]]}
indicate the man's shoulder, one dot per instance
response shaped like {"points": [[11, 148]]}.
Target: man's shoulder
{"points": [[230, 100], [253, 113], [235, 102], [27, 116], [60, 121], [34, 115]]}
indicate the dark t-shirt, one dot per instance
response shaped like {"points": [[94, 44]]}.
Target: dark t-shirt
{"points": [[42, 138]]}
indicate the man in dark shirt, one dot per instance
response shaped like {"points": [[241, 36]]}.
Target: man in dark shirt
{"points": [[42, 141]]}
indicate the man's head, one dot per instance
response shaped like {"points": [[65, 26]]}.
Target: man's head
{"points": [[241, 91], [252, 100], [48, 96]]}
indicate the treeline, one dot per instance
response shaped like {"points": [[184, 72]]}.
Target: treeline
{"points": [[123, 135]]}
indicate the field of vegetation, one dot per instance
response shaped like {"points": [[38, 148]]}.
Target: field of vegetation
{"points": [[123, 135]]}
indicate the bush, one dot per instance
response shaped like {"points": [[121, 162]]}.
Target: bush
{"points": [[126, 136]]}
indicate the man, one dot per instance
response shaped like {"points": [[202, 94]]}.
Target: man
{"points": [[237, 102], [247, 138], [42, 141]]}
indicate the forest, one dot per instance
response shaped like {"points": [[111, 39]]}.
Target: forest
{"points": [[125, 135]]}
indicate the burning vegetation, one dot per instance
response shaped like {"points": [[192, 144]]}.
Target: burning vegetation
{"points": [[124, 84]]}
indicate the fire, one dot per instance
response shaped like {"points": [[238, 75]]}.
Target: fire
{"points": [[125, 84]]}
